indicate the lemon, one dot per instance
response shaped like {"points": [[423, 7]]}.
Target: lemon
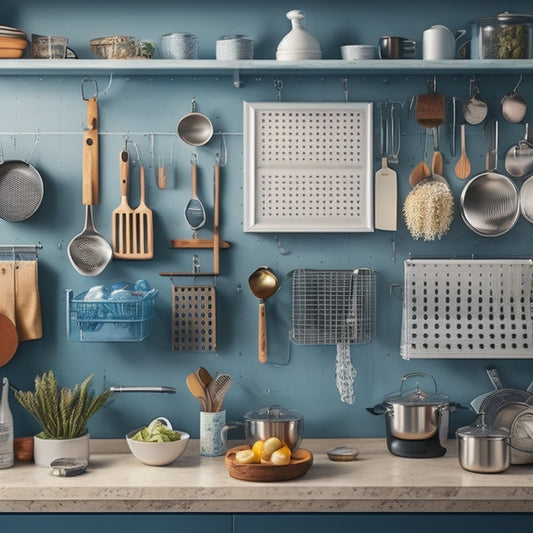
{"points": [[282, 456], [271, 445], [245, 457], [257, 448]]}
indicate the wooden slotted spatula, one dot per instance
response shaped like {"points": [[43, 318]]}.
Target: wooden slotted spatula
{"points": [[144, 225], [123, 220]]}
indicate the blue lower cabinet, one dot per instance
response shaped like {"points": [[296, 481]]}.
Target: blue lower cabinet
{"points": [[380, 523], [117, 522]]}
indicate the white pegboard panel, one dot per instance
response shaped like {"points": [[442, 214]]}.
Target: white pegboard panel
{"points": [[308, 167], [467, 309]]}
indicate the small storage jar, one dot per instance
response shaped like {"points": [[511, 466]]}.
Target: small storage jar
{"points": [[482, 448], [506, 36]]}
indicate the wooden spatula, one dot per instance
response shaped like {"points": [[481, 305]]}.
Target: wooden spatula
{"points": [[122, 221], [463, 168], [144, 235]]}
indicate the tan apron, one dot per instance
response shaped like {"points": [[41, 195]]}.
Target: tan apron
{"points": [[19, 297]]}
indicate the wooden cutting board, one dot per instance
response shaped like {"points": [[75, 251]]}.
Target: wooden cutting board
{"points": [[301, 462]]}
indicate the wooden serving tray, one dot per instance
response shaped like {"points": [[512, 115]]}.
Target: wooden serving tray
{"points": [[301, 461]]}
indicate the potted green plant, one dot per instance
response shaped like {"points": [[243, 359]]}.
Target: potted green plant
{"points": [[63, 414]]}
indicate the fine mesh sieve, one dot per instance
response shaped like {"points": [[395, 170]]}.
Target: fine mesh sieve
{"points": [[21, 190], [467, 308]]}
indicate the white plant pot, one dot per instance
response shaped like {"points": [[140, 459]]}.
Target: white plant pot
{"points": [[47, 450]]}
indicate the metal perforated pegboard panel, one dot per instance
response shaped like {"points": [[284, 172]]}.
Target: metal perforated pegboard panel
{"points": [[467, 309], [194, 318], [308, 167]]}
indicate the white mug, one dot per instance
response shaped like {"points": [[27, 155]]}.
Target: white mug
{"points": [[439, 42]]}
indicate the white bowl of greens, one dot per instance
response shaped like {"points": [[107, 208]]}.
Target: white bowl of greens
{"points": [[157, 444]]}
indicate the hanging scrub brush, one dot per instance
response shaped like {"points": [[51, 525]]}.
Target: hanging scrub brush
{"points": [[428, 209]]}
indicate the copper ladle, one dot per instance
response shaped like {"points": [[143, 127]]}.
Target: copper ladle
{"points": [[263, 284]]}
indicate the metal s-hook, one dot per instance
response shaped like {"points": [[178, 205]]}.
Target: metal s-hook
{"points": [[519, 82], [345, 85], [84, 83], [278, 85]]}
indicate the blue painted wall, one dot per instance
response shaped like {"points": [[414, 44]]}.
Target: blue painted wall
{"points": [[139, 105]]}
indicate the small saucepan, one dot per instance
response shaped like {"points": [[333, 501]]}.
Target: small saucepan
{"points": [[273, 421], [483, 449]]}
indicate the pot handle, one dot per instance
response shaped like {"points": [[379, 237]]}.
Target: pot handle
{"points": [[415, 375], [224, 431], [378, 409]]}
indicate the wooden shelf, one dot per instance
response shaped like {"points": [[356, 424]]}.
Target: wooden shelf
{"points": [[236, 69]]}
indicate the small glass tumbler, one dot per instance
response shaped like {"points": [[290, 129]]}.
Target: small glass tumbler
{"points": [[48, 46], [211, 442]]}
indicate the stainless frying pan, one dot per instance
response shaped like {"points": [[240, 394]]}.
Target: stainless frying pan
{"points": [[489, 201]]}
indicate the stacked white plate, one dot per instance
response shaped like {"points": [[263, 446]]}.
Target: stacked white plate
{"points": [[8, 31]]}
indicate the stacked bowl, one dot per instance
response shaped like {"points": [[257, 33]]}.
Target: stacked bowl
{"points": [[13, 42]]}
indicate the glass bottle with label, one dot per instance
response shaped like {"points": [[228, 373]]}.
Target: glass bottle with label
{"points": [[6, 428]]}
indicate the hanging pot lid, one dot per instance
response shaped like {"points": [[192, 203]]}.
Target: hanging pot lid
{"points": [[480, 430], [417, 396], [274, 413]]}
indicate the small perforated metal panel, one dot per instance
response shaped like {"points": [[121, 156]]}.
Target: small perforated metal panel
{"points": [[308, 167], [194, 318], [467, 309]]}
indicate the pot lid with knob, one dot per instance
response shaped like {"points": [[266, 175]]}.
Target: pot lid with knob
{"points": [[480, 430], [274, 413], [417, 395]]}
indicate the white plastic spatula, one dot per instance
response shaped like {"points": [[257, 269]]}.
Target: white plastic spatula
{"points": [[385, 199]]}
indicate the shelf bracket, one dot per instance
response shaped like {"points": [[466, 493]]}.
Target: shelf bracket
{"points": [[237, 81]]}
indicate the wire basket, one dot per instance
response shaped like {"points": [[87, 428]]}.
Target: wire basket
{"points": [[109, 320], [333, 306]]}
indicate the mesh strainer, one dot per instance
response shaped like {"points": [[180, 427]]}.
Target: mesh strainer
{"points": [[21, 190]]}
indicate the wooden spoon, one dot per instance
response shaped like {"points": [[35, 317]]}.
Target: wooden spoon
{"points": [[197, 390], [419, 173], [463, 167]]}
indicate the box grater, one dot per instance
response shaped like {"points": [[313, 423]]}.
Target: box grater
{"points": [[467, 309], [194, 318], [308, 167]]}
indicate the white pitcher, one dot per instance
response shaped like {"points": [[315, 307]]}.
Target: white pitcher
{"points": [[439, 42]]}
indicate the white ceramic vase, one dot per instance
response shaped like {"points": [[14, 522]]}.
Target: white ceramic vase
{"points": [[47, 450]]}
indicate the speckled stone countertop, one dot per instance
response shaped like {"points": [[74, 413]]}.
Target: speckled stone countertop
{"points": [[376, 481]]}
